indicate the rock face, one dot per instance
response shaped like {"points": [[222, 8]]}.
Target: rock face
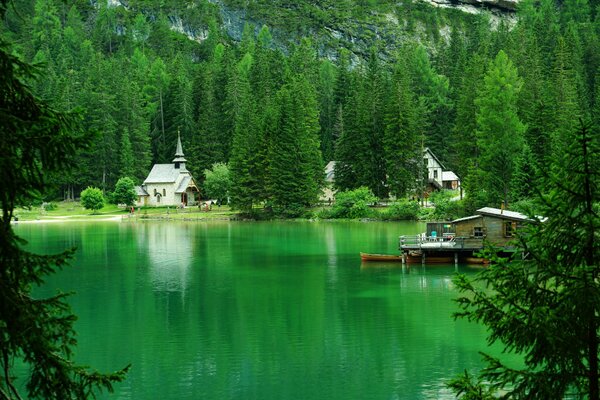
{"points": [[358, 36], [508, 5]]}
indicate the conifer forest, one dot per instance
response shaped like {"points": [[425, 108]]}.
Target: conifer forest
{"points": [[494, 95]]}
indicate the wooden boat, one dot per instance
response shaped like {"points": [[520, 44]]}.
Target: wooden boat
{"points": [[380, 257], [477, 260], [429, 259]]}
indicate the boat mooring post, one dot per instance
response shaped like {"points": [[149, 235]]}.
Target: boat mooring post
{"points": [[455, 259]]}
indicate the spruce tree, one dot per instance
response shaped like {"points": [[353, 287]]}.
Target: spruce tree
{"points": [[36, 142], [545, 308], [403, 139], [296, 169], [499, 130], [241, 108]]}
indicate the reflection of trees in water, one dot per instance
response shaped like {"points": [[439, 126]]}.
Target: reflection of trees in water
{"points": [[169, 248]]}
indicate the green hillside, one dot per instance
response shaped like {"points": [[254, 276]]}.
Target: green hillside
{"points": [[276, 90]]}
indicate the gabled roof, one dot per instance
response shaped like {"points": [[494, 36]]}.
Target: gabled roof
{"points": [[427, 150], [140, 191], [466, 218], [162, 173], [330, 171], [183, 185], [449, 176], [496, 212]]}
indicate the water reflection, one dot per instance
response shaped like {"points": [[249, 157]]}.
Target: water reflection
{"points": [[264, 310], [169, 248]]}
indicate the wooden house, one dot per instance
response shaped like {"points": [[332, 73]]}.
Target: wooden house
{"points": [[495, 225], [464, 238]]}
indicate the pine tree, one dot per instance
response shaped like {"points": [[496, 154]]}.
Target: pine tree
{"points": [[126, 156], [403, 140], [36, 142], [327, 77], [499, 129], [545, 308], [241, 109], [296, 169]]}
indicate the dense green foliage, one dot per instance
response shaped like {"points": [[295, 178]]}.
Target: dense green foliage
{"points": [[92, 199], [217, 183], [124, 192], [546, 308], [36, 140], [351, 204], [494, 104], [402, 210]]}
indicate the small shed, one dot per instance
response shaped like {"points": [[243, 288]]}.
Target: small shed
{"points": [[496, 225]]}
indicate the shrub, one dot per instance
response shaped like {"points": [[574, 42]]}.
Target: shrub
{"points": [[353, 203], [446, 207], [92, 199], [124, 192], [49, 206], [402, 210], [217, 182]]}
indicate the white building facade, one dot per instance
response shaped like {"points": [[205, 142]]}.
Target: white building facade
{"points": [[169, 184]]}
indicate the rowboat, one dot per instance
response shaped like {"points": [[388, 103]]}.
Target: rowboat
{"points": [[380, 257], [411, 259], [477, 260]]}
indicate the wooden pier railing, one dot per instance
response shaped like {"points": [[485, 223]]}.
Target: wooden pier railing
{"points": [[448, 242]]}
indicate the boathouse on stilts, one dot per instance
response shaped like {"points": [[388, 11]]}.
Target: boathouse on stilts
{"points": [[461, 240]]}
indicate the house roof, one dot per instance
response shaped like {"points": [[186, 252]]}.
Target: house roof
{"points": [[330, 171], [140, 191], [466, 218], [496, 212], [162, 173], [427, 150], [449, 176], [183, 185]]}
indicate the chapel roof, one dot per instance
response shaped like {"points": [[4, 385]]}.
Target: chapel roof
{"points": [[162, 173], [183, 185]]}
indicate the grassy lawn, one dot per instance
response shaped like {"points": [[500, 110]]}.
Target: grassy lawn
{"points": [[74, 211]]}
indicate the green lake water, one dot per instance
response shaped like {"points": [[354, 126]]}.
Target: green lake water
{"points": [[253, 310]]}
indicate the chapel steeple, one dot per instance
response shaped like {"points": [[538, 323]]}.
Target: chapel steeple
{"points": [[179, 160]]}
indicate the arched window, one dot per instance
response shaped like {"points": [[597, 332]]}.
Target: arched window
{"points": [[164, 192], [158, 196]]}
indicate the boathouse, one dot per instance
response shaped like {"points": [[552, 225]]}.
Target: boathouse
{"points": [[169, 184], [463, 238]]}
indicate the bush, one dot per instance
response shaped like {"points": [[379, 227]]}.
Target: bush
{"points": [[445, 207], [352, 204], [402, 210], [217, 182], [49, 206], [124, 192], [92, 199]]}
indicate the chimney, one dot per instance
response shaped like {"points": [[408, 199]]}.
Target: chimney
{"points": [[502, 207]]}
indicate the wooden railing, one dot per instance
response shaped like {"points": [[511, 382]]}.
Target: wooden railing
{"points": [[431, 242]]}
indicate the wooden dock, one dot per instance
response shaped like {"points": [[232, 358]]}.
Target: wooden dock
{"points": [[439, 249]]}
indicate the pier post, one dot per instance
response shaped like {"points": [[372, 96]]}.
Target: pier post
{"points": [[455, 259], [403, 258]]}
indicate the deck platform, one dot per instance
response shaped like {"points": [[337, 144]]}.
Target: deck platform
{"points": [[435, 248]]}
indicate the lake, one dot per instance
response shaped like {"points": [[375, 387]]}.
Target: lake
{"points": [[259, 310]]}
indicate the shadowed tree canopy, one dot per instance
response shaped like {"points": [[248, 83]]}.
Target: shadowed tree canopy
{"points": [[546, 308], [35, 141]]}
